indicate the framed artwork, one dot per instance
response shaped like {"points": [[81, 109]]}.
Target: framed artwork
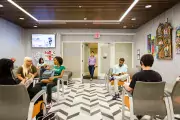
{"points": [[178, 40], [149, 43], [164, 41]]}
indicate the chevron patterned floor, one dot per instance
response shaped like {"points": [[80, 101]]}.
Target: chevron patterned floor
{"points": [[88, 101]]}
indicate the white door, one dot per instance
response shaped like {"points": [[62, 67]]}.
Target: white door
{"points": [[105, 58], [85, 56]]}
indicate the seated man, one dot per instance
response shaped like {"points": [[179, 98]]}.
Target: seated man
{"points": [[146, 75], [119, 73]]}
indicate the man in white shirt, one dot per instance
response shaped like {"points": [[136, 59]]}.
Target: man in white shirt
{"points": [[119, 73]]}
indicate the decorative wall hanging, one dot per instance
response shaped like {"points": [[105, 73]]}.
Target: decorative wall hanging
{"points": [[49, 55], [164, 41], [149, 43], [178, 40], [153, 46]]}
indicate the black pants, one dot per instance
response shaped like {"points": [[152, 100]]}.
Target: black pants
{"points": [[33, 91], [49, 89], [91, 70]]}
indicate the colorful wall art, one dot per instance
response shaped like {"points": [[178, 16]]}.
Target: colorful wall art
{"points": [[164, 41], [153, 46], [178, 40], [149, 43]]}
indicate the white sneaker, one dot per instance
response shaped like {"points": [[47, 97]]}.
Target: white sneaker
{"points": [[49, 105], [91, 79]]}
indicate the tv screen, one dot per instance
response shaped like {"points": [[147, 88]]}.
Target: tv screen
{"points": [[43, 40]]}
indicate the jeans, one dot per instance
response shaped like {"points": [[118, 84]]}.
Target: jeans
{"points": [[91, 70], [49, 89], [42, 69]]}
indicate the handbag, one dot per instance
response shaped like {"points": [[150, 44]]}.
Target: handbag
{"points": [[38, 109], [47, 74]]}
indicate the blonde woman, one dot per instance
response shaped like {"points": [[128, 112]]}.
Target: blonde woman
{"points": [[28, 71]]}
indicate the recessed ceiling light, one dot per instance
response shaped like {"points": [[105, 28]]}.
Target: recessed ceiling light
{"points": [[133, 19], [124, 26], [128, 10], [21, 18], [148, 6], [35, 26], [80, 6], [1, 6]]}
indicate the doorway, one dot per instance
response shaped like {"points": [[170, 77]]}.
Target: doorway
{"points": [[87, 49]]}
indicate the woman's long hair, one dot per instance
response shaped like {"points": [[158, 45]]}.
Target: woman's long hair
{"points": [[24, 66], [40, 60], [6, 66]]}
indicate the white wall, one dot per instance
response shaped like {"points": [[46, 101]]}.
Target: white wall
{"points": [[169, 69], [62, 37], [11, 42]]}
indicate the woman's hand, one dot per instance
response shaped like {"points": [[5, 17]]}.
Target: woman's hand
{"points": [[23, 81]]}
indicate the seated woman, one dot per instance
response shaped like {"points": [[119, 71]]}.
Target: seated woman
{"points": [[42, 66], [26, 72], [52, 81], [6, 78]]}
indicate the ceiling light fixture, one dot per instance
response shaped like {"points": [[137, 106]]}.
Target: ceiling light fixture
{"points": [[35, 26], [85, 18], [80, 6], [16, 5], [21, 18], [148, 6], [128, 10], [133, 19], [1, 6]]}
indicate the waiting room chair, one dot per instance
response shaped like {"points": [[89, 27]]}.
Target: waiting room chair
{"points": [[107, 76], [174, 100], [15, 103], [55, 88], [148, 99]]}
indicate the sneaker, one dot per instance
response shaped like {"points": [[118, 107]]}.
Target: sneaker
{"points": [[114, 98], [91, 79], [49, 105], [117, 95]]}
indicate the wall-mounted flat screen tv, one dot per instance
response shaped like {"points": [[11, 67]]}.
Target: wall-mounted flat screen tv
{"points": [[43, 40]]}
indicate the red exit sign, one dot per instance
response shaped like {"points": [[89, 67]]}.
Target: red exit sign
{"points": [[97, 35]]}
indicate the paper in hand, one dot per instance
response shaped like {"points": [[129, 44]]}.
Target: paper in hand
{"points": [[28, 82]]}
